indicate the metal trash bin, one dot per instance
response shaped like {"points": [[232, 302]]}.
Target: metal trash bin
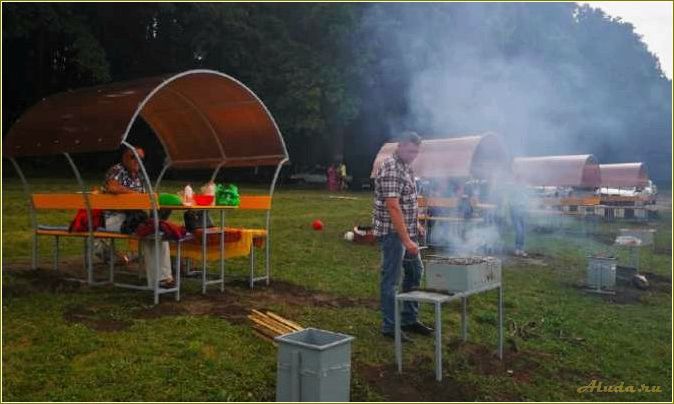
{"points": [[313, 365], [601, 273]]}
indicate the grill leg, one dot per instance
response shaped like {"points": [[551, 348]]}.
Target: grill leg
{"points": [[500, 322], [438, 341], [464, 319]]}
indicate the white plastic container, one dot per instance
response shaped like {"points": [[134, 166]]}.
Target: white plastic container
{"points": [[188, 195]]}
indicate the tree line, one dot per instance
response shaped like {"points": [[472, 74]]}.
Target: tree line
{"points": [[340, 79]]}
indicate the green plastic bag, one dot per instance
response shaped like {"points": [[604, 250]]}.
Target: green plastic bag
{"points": [[227, 195]]}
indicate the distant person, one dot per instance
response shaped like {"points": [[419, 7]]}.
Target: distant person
{"points": [[396, 225], [343, 183], [333, 181], [124, 178], [517, 205]]}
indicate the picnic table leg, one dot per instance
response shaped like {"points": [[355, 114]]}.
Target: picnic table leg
{"points": [[222, 250], [178, 262], [204, 236], [252, 265]]}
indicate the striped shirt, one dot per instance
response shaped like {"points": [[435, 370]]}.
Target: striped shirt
{"points": [[394, 179]]}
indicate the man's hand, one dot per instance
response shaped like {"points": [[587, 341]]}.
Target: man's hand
{"points": [[411, 247]]}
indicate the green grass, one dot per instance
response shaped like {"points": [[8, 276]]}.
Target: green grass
{"points": [[53, 349]]}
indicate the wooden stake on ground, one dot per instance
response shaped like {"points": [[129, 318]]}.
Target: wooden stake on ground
{"points": [[270, 325]]}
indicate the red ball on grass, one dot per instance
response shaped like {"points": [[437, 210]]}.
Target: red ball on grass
{"points": [[317, 225]]}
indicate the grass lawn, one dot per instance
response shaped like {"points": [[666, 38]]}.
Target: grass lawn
{"points": [[64, 342]]}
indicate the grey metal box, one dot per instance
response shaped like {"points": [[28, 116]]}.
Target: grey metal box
{"points": [[601, 272], [448, 274], [313, 365]]}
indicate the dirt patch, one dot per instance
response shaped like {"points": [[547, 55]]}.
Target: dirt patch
{"points": [[520, 365], [160, 310], [236, 303], [281, 292], [418, 386], [658, 283], [28, 281], [95, 319], [412, 386]]}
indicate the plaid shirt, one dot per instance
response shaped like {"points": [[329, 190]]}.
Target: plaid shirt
{"points": [[395, 179], [120, 174]]}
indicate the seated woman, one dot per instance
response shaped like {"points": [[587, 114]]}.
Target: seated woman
{"points": [[124, 178]]}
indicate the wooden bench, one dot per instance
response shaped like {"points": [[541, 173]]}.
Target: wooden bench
{"points": [[77, 201]]}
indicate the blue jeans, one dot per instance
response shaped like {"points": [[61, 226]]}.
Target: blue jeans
{"points": [[394, 258], [520, 227]]}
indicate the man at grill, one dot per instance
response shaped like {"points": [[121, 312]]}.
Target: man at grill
{"points": [[396, 225], [124, 178]]}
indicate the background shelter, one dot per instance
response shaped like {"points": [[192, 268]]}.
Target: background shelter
{"points": [[467, 157], [624, 175], [576, 171]]}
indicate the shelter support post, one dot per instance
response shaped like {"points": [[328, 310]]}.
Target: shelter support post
{"points": [[155, 217], [167, 165], [89, 242], [272, 187], [31, 211]]}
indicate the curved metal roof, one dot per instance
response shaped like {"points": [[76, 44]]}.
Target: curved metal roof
{"points": [[478, 156], [580, 171], [624, 175], [203, 118]]}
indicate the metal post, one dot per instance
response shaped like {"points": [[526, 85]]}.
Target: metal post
{"points": [[90, 229], [216, 171], [155, 214], [178, 259], [167, 164], [222, 250], [398, 336], [500, 322], [252, 265], [464, 319], [267, 262], [438, 341], [204, 236], [31, 211]]}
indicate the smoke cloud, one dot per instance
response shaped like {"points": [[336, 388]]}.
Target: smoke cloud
{"points": [[472, 68]]}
